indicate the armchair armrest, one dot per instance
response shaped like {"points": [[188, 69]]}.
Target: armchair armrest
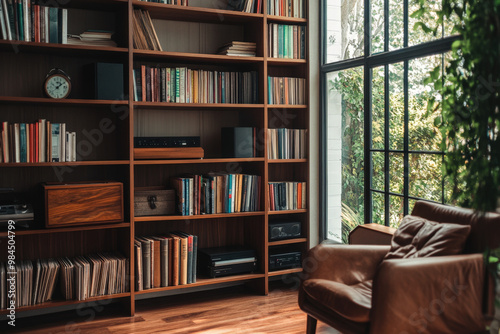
{"points": [[440, 294], [348, 264]]}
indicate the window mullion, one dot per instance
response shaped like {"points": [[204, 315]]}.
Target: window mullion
{"points": [[406, 156]]}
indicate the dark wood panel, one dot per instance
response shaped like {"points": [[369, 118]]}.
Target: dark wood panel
{"points": [[70, 244], [285, 172], [287, 118]]}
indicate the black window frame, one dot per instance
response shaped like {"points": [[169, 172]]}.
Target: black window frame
{"points": [[370, 61]]}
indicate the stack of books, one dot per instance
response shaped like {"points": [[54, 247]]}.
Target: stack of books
{"points": [[145, 37], [235, 48], [286, 143], [217, 193], [25, 21], [246, 6], [284, 90], [42, 141], [287, 196], [79, 278], [168, 260], [185, 85], [92, 37]]}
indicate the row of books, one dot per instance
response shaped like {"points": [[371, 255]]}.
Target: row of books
{"points": [[290, 8], [185, 85], [287, 196], [76, 279], [246, 6], [23, 20], [217, 193], [167, 260], [170, 2], [236, 48], [286, 143], [42, 141], [285, 90], [287, 41], [145, 37]]}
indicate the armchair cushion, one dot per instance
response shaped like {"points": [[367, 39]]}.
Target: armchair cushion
{"points": [[419, 237], [352, 302]]}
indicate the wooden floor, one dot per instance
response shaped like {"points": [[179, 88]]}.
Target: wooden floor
{"points": [[228, 310]]}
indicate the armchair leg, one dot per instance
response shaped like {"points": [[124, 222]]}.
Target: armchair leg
{"points": [[311, 325]]}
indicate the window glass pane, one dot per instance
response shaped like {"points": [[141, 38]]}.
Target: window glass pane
{"points": [[423, 134], [411, 204], [378, 208], [396, 106], [345, 149], [425, 176], [396, 210], [378, 168], [378, 105], [396, 24], [344, 30], [377, 21], [417, 35], [396, 173]]}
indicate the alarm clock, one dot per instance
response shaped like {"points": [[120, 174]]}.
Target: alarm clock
{"points": [[57, 84]]}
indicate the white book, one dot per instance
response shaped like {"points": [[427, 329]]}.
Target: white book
{"points": [[56, 127], [68, 146], [3, 22], [64, 25], [7, 19], [26, 14], [73, 148], [62, 153], [47, 23]]}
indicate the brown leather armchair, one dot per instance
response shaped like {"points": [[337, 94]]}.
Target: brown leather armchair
{"points": [[353, 289]]}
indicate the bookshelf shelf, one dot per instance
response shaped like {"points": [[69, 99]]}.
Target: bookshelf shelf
{"points": [[68, 229], [204, 282], [62, 102], [286, 271], [286, 161], [194, 106], [288, 242], [198, 217], [53, 48], [56, 303], [196, 161], [285, 62], [285, 19], [196, 14], [60, 164], [286, 212], [194, 57], [287, 106]]}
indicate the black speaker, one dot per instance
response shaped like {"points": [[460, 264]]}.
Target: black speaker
{"points": [[284, 230], [238, 142], [105, 81]]}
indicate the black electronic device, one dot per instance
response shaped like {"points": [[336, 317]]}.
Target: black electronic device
{"points": [[105, 81], [160, 142], [238, 142], [281, 230], [223, 261], [286, 260]]}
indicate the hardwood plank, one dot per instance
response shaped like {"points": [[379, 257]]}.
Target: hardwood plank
{"points": [[228, 310]]}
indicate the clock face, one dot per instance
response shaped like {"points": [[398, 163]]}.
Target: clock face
{"points": [[57, 86]]}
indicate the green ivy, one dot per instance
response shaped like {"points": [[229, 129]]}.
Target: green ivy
{"points": [[470, 85]]}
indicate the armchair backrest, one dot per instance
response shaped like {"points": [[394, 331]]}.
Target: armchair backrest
{"points": [[485, 229]]}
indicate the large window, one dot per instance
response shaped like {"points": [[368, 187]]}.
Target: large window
{"points": [[381, 150]]}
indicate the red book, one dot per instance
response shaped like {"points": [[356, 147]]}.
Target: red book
{"points": [[37, 23], [143, 82], [299, 195], [32, 142], [37, 142]]}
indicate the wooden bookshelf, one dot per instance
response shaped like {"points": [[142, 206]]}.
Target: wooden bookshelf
{"points": [[189, 36]]}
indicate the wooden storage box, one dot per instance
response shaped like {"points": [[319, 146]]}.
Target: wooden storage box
{"points": [[69, 204], [154, 201]]}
